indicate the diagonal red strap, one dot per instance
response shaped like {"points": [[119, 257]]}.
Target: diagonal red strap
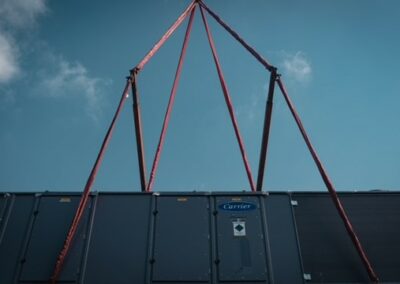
{"points": [[238, 38], [372, 275], [350, 230], [165, 37], [228, 102], [85, 194], [171, 102]]}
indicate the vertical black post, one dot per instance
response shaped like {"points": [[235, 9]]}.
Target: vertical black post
{"points": [[267, 125], [138, 131]]}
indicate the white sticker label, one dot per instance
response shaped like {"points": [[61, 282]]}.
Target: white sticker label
{"points": [[239, 228]]}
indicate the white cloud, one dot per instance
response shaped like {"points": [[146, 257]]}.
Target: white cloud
{"points": [[73, 78], [21, 13], [298, 67], [15, 15], [58, 78], [8, 60], [251, 110]]}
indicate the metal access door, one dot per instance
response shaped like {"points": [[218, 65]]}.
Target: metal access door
{"points": [[118, 240], [15, 222], [52, 220], [181, 240], [241, 242]]}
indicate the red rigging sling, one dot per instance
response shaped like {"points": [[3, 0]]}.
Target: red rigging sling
{"points": [[171, 101], [146, 186]]}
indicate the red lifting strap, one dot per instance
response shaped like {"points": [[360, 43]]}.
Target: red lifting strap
{"points": [[171, 102], [85, 194], [372, 275], [350, 230], [228, 102], [166, 36], [238, 38], [191, 9]]}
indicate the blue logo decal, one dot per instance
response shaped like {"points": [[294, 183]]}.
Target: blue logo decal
{"points": [[237, 206]]}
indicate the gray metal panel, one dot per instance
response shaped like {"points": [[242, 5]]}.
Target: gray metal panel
{"points": [[4, 199], [3, 203], [14, 235], [241, 258], [327, 251], [376, 219], [119, 253], [118, 244], [285, 254], [53, 219], [182, 244]]}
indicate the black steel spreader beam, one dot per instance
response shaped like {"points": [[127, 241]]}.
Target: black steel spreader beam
{"points": [[266, 130], [138, 131]]}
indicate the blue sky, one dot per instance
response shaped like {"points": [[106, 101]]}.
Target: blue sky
{"points": [[63, 66]]}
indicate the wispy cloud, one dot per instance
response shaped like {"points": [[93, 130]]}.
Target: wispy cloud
{"points": [[15, 15], [73, 78], [58, 77], [21, 13], [253, 108], [248, 111], [297, 66], [8, 59]]}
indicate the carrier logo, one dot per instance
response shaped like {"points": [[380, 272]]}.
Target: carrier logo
{"points": [[237, 206]]}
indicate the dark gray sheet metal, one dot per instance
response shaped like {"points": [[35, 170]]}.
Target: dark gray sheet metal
{"points": [[285, 252], [240, 250], [181, 242], [5, 200], [3, 203], [187, 238], [327, 251], [117, 249], [51, 223], [15, 224], [376, 218]]}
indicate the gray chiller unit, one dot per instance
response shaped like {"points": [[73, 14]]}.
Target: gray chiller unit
{"points": [[129, 238], [151, 238], [168, 238]]}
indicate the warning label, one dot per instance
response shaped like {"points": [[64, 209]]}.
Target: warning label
{"points": [[239, 228]]}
